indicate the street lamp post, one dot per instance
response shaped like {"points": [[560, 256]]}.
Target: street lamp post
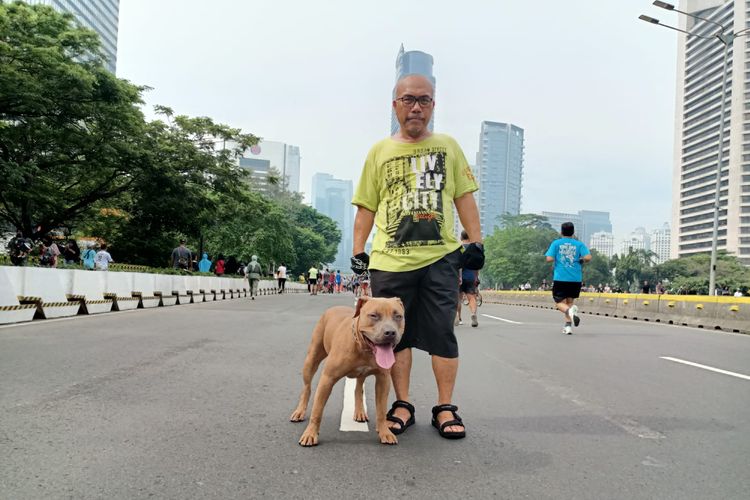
{"points": [[726, 37]]}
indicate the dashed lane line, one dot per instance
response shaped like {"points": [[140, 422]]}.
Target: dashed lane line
{"points": [[348, 424], [705, 367], [503, 319]]}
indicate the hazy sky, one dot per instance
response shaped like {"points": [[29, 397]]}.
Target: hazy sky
{"points": [[592, 86]]}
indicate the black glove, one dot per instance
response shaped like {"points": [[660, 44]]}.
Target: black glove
{"points": [[360, 263], [473, 257], [581, 261]]}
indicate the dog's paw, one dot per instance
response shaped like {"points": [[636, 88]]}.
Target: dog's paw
{"points": [[297, 416], [309, 439], [360, 416], [387, 437]]}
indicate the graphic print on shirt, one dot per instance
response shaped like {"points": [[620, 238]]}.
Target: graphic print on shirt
{"points": [[567, 253], [414, 211]]}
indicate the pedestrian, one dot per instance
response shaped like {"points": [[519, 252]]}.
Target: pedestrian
{"points": [[646, 288], [281, 277], [181, 257], [19, 248], [219, 269], [231, 265], [408, 187], [338, 281], [252, 271], [48, 253], [312, 274], [103, 259], [204, 265], [88, 256], [71, 253], [468, 279], [568, 254]]}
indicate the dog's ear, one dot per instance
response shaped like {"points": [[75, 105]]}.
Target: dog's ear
{"points": [[360, 303], [401, 304]]}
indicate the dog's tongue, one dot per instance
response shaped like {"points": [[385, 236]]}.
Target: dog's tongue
{"points": [[384, 356]]}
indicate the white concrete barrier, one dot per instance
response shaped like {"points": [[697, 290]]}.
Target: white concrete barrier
{"points": [[143, 288], [87, 287], [42, 288], [12, 311], [118, 286], [192, 284], [205, 286], [163, 289], [179, 289]]}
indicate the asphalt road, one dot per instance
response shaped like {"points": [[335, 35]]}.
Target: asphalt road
{"points": [[193, 402]]}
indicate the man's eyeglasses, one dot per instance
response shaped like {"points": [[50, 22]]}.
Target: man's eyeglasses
{"points": [[409, 100]]}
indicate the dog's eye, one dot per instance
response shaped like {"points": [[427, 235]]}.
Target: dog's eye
{"points": [[398, 317], [374, 316]]}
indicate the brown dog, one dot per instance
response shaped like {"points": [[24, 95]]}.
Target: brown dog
{"points": [[356, 343]]}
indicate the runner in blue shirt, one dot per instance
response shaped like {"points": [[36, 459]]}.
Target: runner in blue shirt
{"points": [[568, 254]]}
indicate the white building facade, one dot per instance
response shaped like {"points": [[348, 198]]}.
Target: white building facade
{"points": [[661, 243], [267, 155], [603, 242], [698, 102]]}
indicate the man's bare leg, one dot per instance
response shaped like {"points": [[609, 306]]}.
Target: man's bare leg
{"points": [[400, 376], [445, 370]]}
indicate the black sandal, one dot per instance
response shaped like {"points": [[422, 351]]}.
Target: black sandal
{"points": [[456, 421], [392, 418]]}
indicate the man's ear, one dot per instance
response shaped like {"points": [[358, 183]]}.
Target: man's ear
{"points": [[360, 303]]}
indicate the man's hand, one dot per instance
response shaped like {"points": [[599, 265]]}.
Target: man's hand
{"points": [[360, 263], [473, 257]]}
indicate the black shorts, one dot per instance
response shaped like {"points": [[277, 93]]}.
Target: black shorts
{"points": [[468, 287], [430, 297], [562, 290]]}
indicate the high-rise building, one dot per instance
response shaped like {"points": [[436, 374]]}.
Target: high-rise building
{"points": [[332, 197], [101, 16], [499, 173], [697, 114], [638, 240], [272, 154], [586, 222], [660, 243], [413, 62], [603, 242]]}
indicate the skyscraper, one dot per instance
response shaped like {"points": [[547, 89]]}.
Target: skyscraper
{"points": [[101, 16], [660, 243], [278, 155], [499, 173], [638, 240], [603, 242], [413, 62], [586, 222], [332, 197], [697, 114]]}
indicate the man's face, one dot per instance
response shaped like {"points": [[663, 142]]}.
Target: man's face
{"points": [[414, 118]]}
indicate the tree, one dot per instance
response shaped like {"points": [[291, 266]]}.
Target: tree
{"points": [[515, 255], [634, 268], [597, 271], [690, 274], [532, 221], [71, 133]]}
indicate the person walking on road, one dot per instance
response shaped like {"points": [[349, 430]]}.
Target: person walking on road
{"points": [[568, 255], [468, 287], [204, 265], [408, 187], [88, 257], [312, 274], [281, 277], [253, 271], [103, 259], [19, 248], [181, 257]]}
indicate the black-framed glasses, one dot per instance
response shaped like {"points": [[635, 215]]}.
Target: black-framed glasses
{"points": [[409, 100]]}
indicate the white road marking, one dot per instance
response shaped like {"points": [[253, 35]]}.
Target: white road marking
{"points": [[348, 423], [710, 368], [502, 319]]}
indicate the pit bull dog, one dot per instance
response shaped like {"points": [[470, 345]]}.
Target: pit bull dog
{"points": [[355, 343]]}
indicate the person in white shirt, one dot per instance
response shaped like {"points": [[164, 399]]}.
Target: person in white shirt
{"points": [[102, 259], [738, 293], [281, 277]]}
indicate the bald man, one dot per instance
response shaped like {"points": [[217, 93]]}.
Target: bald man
{"points": [[407, 189]]}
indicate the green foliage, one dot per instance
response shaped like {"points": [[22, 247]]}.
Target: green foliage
{"points": [[532, 221], [633, 269], [515, 254], [597, 271], [690, 274]]}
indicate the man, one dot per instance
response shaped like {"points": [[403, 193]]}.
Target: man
{"points": [[181, 257], [281, 277], [313, 277], [19, 248], [567, 254], [103, 259], [253, 275], [468, 287], [408, 186]]}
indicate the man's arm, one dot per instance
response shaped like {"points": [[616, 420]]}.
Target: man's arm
{"points": [[468, 213], [550, 259], [363, 223]]}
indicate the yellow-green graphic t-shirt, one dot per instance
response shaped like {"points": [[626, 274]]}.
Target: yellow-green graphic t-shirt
{"points": [[411, 188]]}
